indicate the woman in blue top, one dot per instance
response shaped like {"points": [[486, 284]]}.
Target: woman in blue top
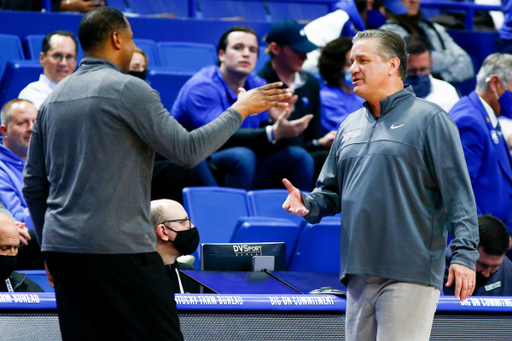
{"points": [[338, 100]]}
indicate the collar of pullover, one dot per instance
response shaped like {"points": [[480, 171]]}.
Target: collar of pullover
{"points": [[389, 103], [88, 63]]}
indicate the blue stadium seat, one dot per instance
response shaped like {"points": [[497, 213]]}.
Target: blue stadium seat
{"points": [[167, 83], [269, 202], [318, 248], [152, 8], [215, 211], [34, 45], [186, 57], [262, 59], [149, 48], [268, 230], [18, 74], [301, 12], [38, 276], [10, 50], [246, 10]]}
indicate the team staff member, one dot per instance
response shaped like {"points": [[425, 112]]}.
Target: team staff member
{"points": [[397, 172], [87, 185]]}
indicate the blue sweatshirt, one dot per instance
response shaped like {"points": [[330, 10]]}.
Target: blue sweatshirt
{"points": [[11, 181]]}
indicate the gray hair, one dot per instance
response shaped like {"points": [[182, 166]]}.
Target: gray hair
{"points": [[499, 64], [6, 113], [389, 45]]}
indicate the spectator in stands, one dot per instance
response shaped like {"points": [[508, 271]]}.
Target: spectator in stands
{"points": [[451, 62], [350, 17], [139, 64], [504, 44], [397, 172], [419, 77], [256, 156], [287, 46], [87, 185], [338, 99], [493, 269], [11, 281], [487, 155], [175, 236], [17, 116], [58, 58]]}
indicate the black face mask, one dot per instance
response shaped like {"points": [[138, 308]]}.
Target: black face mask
{"points": [[480, 280], [139, 74], [7, 265], [186, 241]]}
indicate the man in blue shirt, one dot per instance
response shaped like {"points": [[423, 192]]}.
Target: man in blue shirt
{"points": [[493, 269], [486, 152], [253, 158]]}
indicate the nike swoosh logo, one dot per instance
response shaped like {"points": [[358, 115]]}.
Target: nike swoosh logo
{"points": [[394, 127]]}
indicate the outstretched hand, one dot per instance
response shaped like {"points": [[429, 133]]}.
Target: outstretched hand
{"points": [[294, 203], [260, 99], [464, 278]]}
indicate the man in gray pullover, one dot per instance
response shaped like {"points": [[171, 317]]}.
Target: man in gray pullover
{"points": [[396, 172], [87, 185]]}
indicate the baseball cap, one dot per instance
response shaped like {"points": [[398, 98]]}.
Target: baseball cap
{"points": [[291, 33], [395, 6]]}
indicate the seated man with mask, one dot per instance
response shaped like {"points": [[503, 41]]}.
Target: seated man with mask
{"points": [[336, 94], [11, 281], [419, 67], [175, 236]]}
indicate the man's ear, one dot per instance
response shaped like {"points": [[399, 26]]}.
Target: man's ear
{"points": [[494, 82], [116, 40], [275, 48], [161, 231], [222, 55], [3, 131], [394, 64]]}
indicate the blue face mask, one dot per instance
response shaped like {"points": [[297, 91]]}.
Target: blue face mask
{"points": [[420, 84], [347, 80], [506, 104]]}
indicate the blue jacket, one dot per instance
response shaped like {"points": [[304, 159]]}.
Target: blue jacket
{"points": [[11, 181], [488, 159]]}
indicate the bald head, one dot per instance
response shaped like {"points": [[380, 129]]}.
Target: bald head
{"points": [[166, 209], [9, 237]]}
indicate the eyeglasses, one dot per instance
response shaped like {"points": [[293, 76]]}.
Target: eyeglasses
{"points": [[57, 57], [184, 222], [420, 71]]}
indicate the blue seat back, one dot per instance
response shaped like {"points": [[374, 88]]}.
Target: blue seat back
{"points": [[18, 74], [262, 59], [215, 211], [10, 49], [34, 46], [247, 10], [268, 230], [269, 203], [168, 84], [156, 8], [186, 57], [318, 248], [149, 48], [302, 12]]}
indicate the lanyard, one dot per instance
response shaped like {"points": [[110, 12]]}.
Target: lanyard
{"points": [[179, 280], [9, 285]]}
